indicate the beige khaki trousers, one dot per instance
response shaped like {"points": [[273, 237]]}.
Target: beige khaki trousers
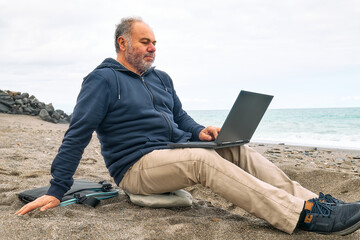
{"points": [[239, 174]]}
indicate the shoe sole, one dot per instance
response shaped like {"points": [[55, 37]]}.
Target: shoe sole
{"points": [[349, 230], [344, 232]]}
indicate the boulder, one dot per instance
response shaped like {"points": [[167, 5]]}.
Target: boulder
{"points": [[44, 115], [34, 102], [4, 108], [49, 108], [18, 102], [35, 111], [19, 110], [25, 95], [56, 115], [41, 105], [61, 112], [7, 100], [28, 110], [18, 96]]}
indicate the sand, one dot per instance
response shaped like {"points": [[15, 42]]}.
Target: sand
{"points": [[28, 146]]}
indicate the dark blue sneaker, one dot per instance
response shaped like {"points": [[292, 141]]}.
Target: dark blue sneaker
{"points": [[327, 218], [327, 198]]}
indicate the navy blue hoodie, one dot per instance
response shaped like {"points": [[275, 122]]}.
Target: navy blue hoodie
{"points": [[132, 116]]}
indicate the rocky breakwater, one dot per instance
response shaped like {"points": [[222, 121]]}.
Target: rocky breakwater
{"points": [[22, 103]]}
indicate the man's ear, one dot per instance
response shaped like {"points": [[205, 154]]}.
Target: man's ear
{"points": [[122, 43]]}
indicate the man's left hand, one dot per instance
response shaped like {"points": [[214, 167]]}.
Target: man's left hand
{"points": [[209, 133]]}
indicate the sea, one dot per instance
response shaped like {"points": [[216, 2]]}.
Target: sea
{"points": [[315, 127]]}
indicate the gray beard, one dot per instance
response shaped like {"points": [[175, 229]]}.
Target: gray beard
{"points": [[137, 60]]}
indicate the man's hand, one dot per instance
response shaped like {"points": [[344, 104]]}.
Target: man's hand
{"points": [[44, 203], [209, 133]]}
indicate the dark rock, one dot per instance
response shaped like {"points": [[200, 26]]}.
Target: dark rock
{"points": [[25, 95], [19, 110], [4, 108], [49, 108], [34, 102], [56, 115], [18, 96], [61, 112], [4, 94], [7, 100], [69, 117], [41, 105], [35, 111], [18, 102], [44, 115], [28, 110], [53, 120], [63, 121]]}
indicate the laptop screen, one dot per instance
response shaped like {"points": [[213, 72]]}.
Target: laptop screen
{"points": [[244, 117]]}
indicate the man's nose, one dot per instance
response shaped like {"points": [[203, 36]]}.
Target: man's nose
{"points": [[151, 48]]}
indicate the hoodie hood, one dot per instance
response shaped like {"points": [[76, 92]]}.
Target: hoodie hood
{"points": [[111, 63], [116, 66]]}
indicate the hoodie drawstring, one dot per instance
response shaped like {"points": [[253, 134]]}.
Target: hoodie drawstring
{"points": [[117, 83], [161, 81]]}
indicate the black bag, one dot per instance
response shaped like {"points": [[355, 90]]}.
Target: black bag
{"points": [[82, 191]]}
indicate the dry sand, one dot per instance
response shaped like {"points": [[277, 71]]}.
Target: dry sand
{"points": [[28, 146]]}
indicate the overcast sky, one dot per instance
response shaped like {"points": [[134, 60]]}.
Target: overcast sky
{"points": [[306, 53]]}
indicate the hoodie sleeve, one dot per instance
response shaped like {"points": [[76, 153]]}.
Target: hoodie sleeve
{"points": [[90, 109]]}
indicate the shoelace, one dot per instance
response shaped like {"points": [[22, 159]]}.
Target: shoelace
{"points": [[322, 208], [329, 199]]}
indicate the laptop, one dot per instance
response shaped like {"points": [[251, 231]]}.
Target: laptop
{"points": [[240, 124]]}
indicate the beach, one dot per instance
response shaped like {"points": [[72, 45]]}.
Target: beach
{"points": [[28, 145]]}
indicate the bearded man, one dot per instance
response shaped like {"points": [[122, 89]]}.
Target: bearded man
{"points": [[136, 113]]}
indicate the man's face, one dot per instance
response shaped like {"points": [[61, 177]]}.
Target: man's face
{"points": [[140, 52]]}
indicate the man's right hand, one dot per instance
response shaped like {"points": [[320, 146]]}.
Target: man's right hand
{"points": [[44, 203]]}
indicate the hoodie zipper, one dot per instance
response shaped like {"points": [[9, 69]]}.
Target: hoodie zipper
{"points": [[163, 114]]}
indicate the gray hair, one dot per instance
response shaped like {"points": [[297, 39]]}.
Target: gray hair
{"points": [[124, 29]]}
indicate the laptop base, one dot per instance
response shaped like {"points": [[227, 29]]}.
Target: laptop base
{"points": [[207, 145]]}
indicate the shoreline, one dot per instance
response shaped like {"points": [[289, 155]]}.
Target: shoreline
{"points": [[28, 145]]}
